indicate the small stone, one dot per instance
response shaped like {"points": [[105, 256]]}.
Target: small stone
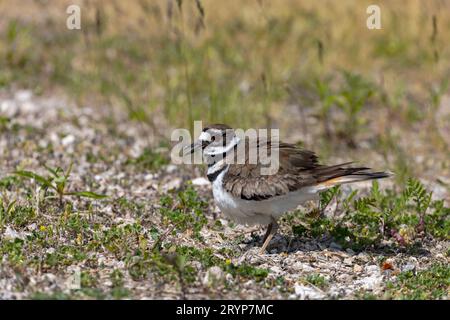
{"points": [[29, 107], [344, 277], [370, 283], [357, 268], [276, 270], [372, 269], [335, 246], [50, 250], [229, 277], [348, 261], [363, 257], [149, 176], [172, 184], [200, 182], [303, 267], [413, 260], [49, 277], [171, 168], [11, 234], [440, 256], [304, 292], [68, 140], [408, 267], [213, 276], [9, 108], [23, 95], [249, 283], [310, 246]]}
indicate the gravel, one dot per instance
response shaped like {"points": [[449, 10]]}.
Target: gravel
{"points": [[75, 131]]}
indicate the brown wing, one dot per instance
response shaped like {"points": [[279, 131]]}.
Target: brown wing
{"points": [[297, 168], [245, 180]]}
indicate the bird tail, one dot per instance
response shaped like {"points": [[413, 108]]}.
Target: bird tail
{"points": [[337, 175]]}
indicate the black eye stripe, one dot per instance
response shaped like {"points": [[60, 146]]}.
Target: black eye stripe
{"points": [[216, 134]]}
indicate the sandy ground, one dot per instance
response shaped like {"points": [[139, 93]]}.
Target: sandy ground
{"points": [[77, 133]]}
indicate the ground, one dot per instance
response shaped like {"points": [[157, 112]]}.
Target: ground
{"points": [[158, 233]]}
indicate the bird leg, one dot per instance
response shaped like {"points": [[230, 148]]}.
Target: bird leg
{"points": [[271, 231]]}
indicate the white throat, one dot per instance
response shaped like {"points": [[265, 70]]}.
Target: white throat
{"points": [[216, 167]]}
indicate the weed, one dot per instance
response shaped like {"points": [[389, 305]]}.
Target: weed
{"points": [[149, 160], [4, 122], [207, 258], [327, 98], [8, 182], [57, 181], [185, 212], [64, 255], [402, 218], [432, 283], [317, 280], [248, 272], [13, 251], [122, 241], [133, 206], [117, 290], [6, 209], [18, 215], [58, 295], [351, 98], [364, 295]]}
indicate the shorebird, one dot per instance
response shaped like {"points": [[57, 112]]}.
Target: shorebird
{"points": [[247, 196]]}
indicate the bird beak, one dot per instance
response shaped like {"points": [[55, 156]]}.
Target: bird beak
{"points": [[197, 145]]}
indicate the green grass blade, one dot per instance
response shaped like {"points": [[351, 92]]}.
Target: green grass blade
{"points": [[31, 175], [54, 172], [88, 194]]}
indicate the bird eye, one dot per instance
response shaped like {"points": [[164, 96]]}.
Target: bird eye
{"points": [[213, 138]]}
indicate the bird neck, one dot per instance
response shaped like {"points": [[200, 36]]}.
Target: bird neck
{"points": [[217, 156]]}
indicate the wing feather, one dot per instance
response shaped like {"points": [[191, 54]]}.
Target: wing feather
{"points": [[298, 168]]}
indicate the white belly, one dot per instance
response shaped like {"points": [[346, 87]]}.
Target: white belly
{"points": [[258, 212]]}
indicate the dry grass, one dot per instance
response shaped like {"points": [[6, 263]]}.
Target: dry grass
{"points": [[240, 63]]}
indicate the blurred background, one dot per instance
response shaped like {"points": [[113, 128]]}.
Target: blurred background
{"points": [[311, 68]]}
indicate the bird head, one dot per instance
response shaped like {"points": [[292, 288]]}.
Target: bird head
{"points": [[216, 139]]}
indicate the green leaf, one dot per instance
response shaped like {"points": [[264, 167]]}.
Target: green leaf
{"points": [[10, 207], [31, 175], [54, 172], [69, 170], [87, 194], [328, 195]]}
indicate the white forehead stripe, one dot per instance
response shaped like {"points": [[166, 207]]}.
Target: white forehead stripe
{"points": [[211, 150], [204, 136]]}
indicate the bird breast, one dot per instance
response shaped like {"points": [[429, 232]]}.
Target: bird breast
{"points": [[257, 212]]}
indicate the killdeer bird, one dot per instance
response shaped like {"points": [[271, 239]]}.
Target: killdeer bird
{"points": [[245, 195]]}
